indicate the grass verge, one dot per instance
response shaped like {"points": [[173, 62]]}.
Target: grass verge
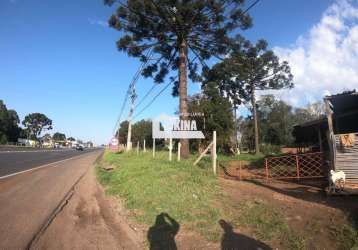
{"points": [[267, 224], [191, 195], [152, 186]]}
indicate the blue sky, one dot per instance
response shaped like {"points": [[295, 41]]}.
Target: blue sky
{"points": [[60, 59]]}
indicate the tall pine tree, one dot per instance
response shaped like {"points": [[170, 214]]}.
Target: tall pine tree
{"points": [[250, 67], [177, 32]]}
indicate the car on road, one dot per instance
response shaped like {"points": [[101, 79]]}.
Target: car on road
{"points": [[79, 147]]}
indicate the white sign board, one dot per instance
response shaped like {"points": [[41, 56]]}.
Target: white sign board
{"points": [[175, 128]]}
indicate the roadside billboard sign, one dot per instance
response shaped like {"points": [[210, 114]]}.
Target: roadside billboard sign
{"points": [[174, 127]]}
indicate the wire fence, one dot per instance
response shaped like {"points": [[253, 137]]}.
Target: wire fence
{"points": [[294, 166], [297, 166]]}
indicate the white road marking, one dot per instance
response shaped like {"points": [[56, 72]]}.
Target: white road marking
{"points": [[33, 151], [39, 167]]}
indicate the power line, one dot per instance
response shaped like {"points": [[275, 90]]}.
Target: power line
{"points": [[130, 87], [146, 95], [168, 84], [122, 110], [149, 91], [251, 6], [155, 97]]}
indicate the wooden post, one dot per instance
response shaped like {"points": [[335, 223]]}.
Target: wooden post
{"points": [[153, 147], [170, 148], [213, 152], [297, 168], [267, 171], [144, 150], [179, 146], [331, 139], [320, 140], [203, 153], [137, 147]]}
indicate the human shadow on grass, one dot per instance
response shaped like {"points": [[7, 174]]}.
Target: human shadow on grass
{"points": [[161, 235], [235, 241]]}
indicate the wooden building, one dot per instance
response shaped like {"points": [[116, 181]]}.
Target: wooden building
{"points": [[336, 135]]}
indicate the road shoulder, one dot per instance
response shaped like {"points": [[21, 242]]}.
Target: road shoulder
{"points": [[89, 220]]}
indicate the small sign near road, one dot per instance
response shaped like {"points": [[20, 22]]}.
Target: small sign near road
{"points": [[113, 145]]}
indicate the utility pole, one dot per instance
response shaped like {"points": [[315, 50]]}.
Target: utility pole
{"points": [[129, 135]]}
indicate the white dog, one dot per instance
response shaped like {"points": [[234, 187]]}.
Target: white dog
{"points": [[336, 177]]}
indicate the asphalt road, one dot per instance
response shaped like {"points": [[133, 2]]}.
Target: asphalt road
{"points": [[16, 161], [28, 199]]}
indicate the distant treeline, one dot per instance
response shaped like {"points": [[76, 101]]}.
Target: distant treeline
{"points": [[32, 126], [276, 120], [9, 125]]}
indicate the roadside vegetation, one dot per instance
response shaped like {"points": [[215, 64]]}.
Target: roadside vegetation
{"points": [[267, 223], [152, 186], [251, 158], [194, 198]]}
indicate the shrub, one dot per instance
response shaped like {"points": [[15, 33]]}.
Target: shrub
{"points": [[270, 149]]}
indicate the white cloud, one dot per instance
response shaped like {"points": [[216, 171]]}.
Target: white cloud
{"points": [[326, 60], [97, 22]]}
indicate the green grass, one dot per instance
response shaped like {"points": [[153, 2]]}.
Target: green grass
{"points": [[253, 159], [241, 157], [267, 223], [152, 186], [347, 235], [191, 195]]}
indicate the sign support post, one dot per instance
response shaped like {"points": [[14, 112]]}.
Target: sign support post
{"points": [[213, 152], [170, 148], [179, 146], [153, 148]]}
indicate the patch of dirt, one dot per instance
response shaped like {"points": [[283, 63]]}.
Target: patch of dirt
{"points": [[90, 220], [240, 170], [187, 239], [306, 208]]}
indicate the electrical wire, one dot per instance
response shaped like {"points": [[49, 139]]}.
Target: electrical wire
{"points": [[155, 97], [166, 86], [128, 92]]}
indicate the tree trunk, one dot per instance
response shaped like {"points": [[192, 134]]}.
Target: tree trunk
{"points": [[183, 95], [254, 114], [235, 129]]}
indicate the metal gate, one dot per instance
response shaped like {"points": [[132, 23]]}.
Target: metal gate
{"points": [[297, 166]]}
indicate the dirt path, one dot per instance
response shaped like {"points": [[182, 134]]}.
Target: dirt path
{"points": [[306, 209], [90, 220]]}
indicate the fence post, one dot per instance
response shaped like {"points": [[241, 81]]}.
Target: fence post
{"points": [[179, 146], [170, 148], [267, 171], [137, 147], [153, 147], [203, 153], [144, 150], [213, 152], [297, 168]]}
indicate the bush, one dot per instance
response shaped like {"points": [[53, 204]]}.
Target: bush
{"points": [[3, 139], [270, 149]]}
